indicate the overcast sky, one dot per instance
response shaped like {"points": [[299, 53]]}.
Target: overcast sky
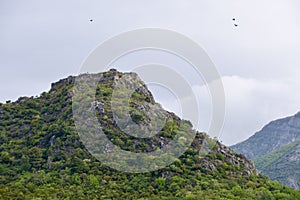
{"points": [[44, 41]]}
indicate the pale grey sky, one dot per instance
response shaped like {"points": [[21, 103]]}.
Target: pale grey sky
{"points": [[44, 41]]}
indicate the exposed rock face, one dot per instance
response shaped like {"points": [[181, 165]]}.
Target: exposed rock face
{"points": [[276, 150], [238, 160]]}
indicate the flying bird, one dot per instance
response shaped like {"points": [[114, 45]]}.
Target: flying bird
{"points": [[235, 24], [91, 20]]}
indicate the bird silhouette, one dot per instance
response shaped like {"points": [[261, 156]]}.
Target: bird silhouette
{"points": [[235, 24], [91, 20]]}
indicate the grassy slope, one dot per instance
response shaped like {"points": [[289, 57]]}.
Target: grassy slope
{"points": [[263, 162]]}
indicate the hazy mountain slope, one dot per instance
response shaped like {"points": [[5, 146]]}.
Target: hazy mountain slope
{"points": [[282, 164], [42, 157], [275, 150], [274, 135]]}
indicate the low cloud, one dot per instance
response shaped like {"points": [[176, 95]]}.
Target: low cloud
{"points": [[252, 103]]}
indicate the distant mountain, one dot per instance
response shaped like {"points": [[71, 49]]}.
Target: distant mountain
{"points": [[282, 164], [276, 150], [42, 156]]}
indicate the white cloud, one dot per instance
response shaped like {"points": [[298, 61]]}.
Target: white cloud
{"points": [[252, 103]]}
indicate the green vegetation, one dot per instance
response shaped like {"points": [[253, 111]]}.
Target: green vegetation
{"points": [[264, 161], [282, 164], [275, 150], [272, 136], [42, 157]]}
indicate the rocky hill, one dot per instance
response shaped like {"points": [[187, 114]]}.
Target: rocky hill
{"points": [[42, 156], [276, 150]]}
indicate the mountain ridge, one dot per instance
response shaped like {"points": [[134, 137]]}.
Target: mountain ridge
{"points": [[270, 137], [275, 150]]}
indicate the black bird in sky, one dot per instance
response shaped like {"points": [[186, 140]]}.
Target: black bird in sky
{"points": [[91, 20], [235, 24]]}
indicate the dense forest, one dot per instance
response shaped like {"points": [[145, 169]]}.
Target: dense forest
{"points": [[42, 156]]}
